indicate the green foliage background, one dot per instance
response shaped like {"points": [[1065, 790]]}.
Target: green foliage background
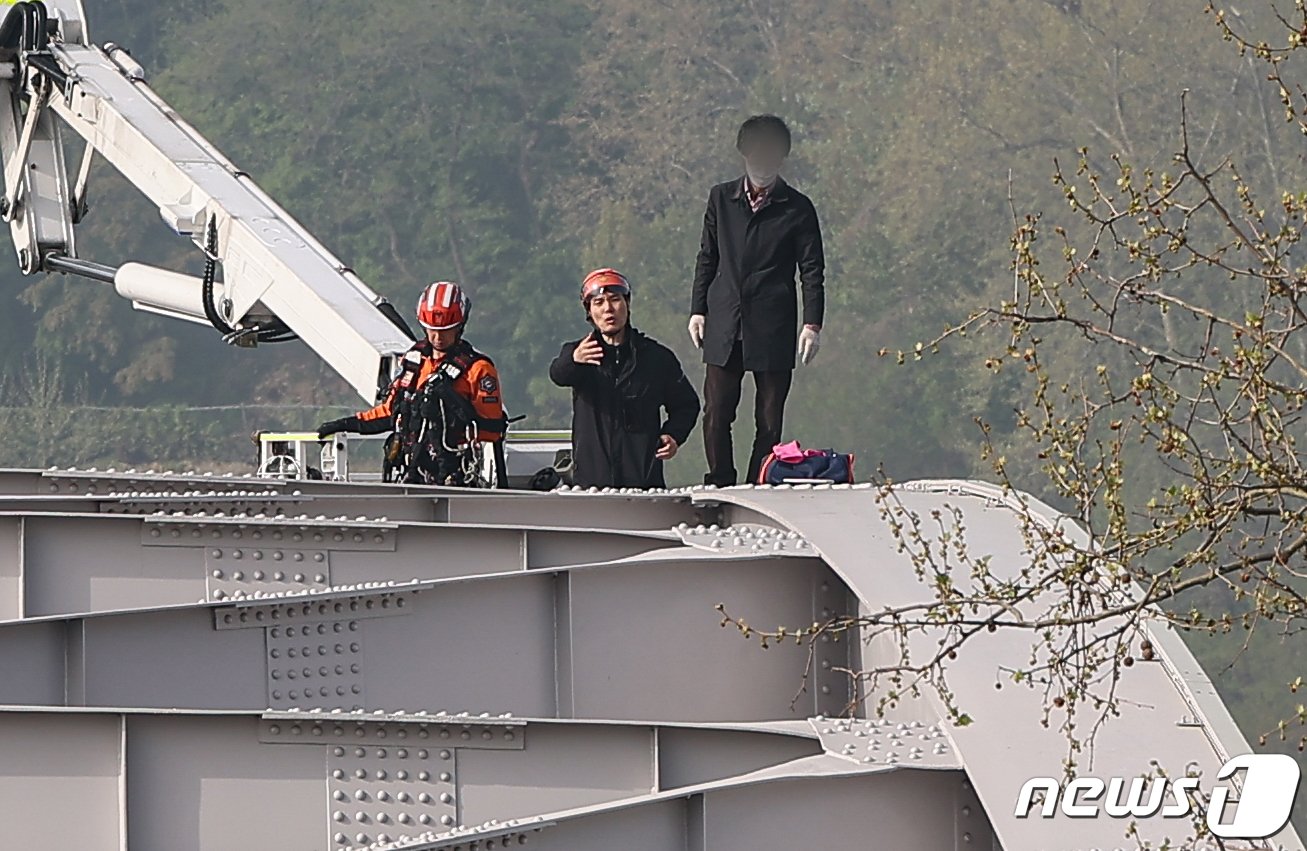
{"points": [[514, 145]]}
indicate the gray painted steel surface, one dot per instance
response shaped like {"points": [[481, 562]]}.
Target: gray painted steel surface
{"points": [[196, 662]]}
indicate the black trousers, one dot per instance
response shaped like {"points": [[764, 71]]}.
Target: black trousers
{"points": [[721, 398]]}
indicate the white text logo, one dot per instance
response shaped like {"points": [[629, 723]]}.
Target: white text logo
{"points": [[1270, 784]]}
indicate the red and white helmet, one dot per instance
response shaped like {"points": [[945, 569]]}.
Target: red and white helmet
{"points": [[604, 281], [443, 305]]}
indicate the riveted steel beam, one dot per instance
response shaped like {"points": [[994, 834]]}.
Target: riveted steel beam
{"points": [[133, 492], [559, 641], [195, 780], [82, 564]]}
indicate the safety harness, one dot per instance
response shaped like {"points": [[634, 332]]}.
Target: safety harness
{"points": [[435, 438]]}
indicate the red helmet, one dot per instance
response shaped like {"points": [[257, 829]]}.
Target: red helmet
{"points": [[604, 281], [443, 305]]}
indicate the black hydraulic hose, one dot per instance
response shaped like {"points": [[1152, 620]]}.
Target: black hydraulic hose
{"points": [[206, 289], [42, 25], [13, 27], [38, 37], [26, 29], [275, 331], [31, 23]]}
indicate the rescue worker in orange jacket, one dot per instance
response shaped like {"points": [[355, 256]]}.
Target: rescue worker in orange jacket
{"points": [[444, 403]]}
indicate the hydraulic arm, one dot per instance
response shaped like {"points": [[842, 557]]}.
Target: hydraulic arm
{"points": [[267, 279]]}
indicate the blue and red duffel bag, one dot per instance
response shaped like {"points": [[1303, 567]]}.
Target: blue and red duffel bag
{"points": [[788, 462]]}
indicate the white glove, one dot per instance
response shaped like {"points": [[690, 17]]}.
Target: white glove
{"points": [[696, 330], [809, 343]]}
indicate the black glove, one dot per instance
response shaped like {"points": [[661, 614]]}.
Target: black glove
{"points": [[331, 427]]}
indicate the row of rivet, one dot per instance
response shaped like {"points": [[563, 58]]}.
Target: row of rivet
{"points": [[257, 555], [235, 583], [578, 489], [381, 604], [190, 534], [297, 537], [491, 835], [465, 737], [113, 472]]}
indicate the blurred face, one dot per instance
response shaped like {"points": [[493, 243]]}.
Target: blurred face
{"points": [[763, 160], [609, 312], [443, 339]]}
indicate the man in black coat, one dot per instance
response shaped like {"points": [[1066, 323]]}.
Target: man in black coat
{"points": [[758, 230], [621, 382]]}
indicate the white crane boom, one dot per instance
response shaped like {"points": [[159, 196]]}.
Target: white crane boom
{"points": [[277, 281]]}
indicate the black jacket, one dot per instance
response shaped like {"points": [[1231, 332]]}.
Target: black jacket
{"points": [[617, 410], [744, 277]]}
